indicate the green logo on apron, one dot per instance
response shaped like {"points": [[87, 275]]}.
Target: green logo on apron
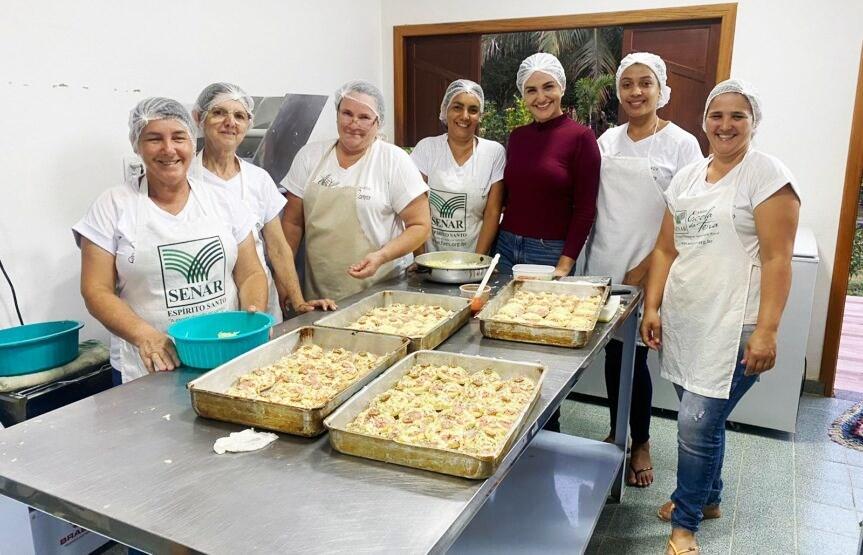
{"points": [[449, 210], [193, 272]]}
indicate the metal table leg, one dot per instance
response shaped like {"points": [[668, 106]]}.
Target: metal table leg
{"points": [[624, 398]]}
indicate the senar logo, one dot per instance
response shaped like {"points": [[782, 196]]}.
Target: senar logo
{"points": [[193, 275], [449, 210]]}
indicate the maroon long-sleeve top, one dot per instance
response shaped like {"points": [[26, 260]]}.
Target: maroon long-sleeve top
{"points": [[551, 180]]}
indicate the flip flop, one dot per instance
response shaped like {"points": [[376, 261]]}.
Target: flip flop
{"points": [[637, 472], [693, 549]]}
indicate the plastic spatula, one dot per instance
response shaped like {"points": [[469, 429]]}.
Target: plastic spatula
{"points": [[476, 301]]}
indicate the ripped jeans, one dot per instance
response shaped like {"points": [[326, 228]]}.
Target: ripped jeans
{"points": [[701, 444]]}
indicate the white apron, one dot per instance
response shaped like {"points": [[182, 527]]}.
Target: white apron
{"points": [[334, 237], [705, 295], [197, 172], [176, 270], [629, 211], [457, 204]]}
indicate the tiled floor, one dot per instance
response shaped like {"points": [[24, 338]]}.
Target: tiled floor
{"points": [[783, 494]]}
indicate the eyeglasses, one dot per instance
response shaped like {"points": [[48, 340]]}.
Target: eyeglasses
{"points": [[363, 121], [218, 115]]}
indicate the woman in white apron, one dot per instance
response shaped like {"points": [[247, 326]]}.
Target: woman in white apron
{"points": [[163, 247], [464, 174], [223, 113], [359, 202], [720, 272], [639, 158]]}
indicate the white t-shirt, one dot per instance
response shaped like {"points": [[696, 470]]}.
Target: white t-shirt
{"points": [[467, 186], [391, 183], [262, 193], [758, 176], [669, 149], [111, 221]]}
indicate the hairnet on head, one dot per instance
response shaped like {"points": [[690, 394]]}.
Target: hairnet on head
{"points": [[735, 86], [155, 108], [456, 88], [656, 65], [546, 63], [352, 88], [215, 94]]}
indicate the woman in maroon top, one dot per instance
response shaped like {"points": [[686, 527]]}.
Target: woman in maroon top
{"points": [[551, 176]]}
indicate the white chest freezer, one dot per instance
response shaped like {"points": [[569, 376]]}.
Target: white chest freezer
{"points": [[773, 401]]}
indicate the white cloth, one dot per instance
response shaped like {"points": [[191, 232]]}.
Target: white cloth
{"points": [[458, 194], [671, 148], [256, 189], [758, 177], [140, 235], [246, 440], [705, 294], [392, 183]]}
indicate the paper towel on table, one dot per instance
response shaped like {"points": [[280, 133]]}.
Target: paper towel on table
{"points": [[247, 440]]}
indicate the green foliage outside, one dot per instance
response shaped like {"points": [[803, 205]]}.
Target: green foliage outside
{"points": [[855, 274]]}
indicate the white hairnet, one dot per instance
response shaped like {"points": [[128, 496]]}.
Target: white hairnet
{"points": [[735, 86], [546, 63], [352, 88], [456, 88], [155, 108], [215, 94], [656, 65]]}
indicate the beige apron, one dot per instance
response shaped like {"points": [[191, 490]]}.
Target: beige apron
{"points": [[334, 237], [705, 295]]}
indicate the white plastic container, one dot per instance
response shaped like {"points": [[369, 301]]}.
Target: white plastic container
{"points": [[533, 271]]}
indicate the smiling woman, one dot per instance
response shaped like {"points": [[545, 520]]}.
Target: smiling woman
{"points": [[163, 246]]}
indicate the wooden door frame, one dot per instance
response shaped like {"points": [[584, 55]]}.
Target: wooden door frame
{"points": [[726, 13], [844, 243]]}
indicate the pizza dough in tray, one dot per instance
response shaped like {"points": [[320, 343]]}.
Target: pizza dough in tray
{"points": [[543, 308], [410, 320]]}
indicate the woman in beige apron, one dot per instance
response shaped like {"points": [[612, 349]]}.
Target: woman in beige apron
{"points": [[639, 158], [223, 113], [186, 252], [359, 202], [721, 272]]}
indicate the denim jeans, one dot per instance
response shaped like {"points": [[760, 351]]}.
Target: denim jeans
{"points": [[701, 445], [515, 249]]}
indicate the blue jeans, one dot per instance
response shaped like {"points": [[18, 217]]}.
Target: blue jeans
{"points": [[701, 445], [515, 249]]}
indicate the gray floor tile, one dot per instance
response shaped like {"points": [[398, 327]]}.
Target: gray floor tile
{"points": [[605, 520], [829, 493], [858, 498], [856, 474], [824, 450], [828, 518], [753, 535], [810, 540], [636, 518], [635, 545], [853, 456], [826, 471], [595, 545]]}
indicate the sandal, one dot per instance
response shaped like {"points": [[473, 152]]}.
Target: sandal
{"points": [[637, 472], [709, 512], [693, 549]]}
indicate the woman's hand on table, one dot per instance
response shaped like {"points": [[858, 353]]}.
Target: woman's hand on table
{"points": [[157, 351], [760, 353], [651, 329], [368, 266], [316, 304]]}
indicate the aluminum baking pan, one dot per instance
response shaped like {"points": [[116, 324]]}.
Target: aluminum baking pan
{"points": [[445, 461], [343, 318], [210, 400], [541, 334], [454, 266]]}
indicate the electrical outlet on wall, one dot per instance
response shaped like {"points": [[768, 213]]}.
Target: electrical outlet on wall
{"points": [[132, 166]]}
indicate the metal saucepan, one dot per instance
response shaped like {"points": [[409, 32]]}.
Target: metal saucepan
{"points": [[454, 266]]}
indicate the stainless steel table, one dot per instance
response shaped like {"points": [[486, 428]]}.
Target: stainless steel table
{"points": [[136, 464]]}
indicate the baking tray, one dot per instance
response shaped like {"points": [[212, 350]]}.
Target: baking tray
{"points": [[538, 333], [210, 401], [348, 315], [445, 461]]}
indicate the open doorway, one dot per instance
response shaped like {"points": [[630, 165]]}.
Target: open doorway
{"points": [[695, 41], [841, 364]]}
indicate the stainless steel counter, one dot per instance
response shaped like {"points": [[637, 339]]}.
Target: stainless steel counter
{"points": [[136, 464]]}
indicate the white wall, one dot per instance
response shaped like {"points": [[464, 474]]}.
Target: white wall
{"points": [[802, 55], [63, 144]]}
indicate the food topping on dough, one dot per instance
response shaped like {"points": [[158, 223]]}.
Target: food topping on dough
{"points": [[550, 309], [307, 378], [412, 320], [447, 407]]}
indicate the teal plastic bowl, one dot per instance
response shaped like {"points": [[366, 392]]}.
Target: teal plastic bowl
{"points": [[213, 339], [35, 347]]}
